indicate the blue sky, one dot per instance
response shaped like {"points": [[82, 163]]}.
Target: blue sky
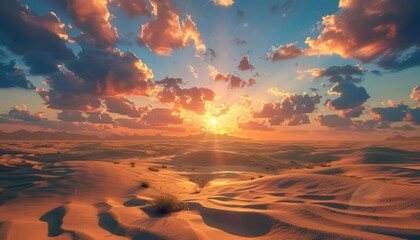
{"points": [[262, 25]]}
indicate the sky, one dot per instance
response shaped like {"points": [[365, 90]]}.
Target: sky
{"points": [[275, 70]]}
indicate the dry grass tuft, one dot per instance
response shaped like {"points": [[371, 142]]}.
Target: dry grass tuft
{"points": [[166, 203], [144, 183]]}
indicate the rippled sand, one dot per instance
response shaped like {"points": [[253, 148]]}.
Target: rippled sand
{"points": [[229, 190]]}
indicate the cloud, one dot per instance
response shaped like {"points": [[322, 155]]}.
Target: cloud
{"points": [[45, 47], [390, 114], [240, 13], [12, 77], [71, 116], [255, 126], [340, 74], [415, 94], [192, 99], [413, 116], [123, 106], [112, 72], [334, 121], [405, 127], [223, 3], [134, 8], [352, 112], [161, 116], [191, 69], [232, 80], [285, 52], [92, 17], [22, 116], [372, 31], [291, 109], [169, 82], [350, 96], [99, 118], [22, 113], [97, 74], [68, 100], [287, 6], [245, 65], [171, 34], [278, 92], [239, 41]]}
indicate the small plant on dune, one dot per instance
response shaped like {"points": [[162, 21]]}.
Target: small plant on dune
{"points": [[132, 164], [116, 162], [153, 169], [166, 203], [197, 189], [144, 183]]}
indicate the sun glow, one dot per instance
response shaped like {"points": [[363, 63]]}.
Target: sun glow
{"points": [[213, 121]]}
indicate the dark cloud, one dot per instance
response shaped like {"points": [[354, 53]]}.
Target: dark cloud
{"points": [[71, 116], [112, 72], [384, 32], [255, 126], [68, 100], [281, 52], [353, 112], [12, 77], [334, 121], [97, 74], [291, 110], [169, 82], [39, 39], [285, 7], [134, 8], [123, 106], [245, 65], [193, 99], [239, 41], [413, 116], [405, 127], [232, 80], [346, 73], [351, 96], [390, 114], [161, 116], [376, 72], [99, 118], [240, 13], [23, 114]]}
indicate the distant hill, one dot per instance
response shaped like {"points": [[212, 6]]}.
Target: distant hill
{"points": [[42, 135], [402, 138]]}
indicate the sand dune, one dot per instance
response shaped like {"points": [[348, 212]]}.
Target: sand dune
{"points": [[229, 190]]}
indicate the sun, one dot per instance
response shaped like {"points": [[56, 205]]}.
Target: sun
{"points": [[213, 121]]}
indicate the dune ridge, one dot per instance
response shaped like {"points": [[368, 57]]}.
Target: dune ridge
{"points": [[229, 190]]}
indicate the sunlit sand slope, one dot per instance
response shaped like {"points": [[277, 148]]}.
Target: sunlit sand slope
{"points": [[228, 190]]}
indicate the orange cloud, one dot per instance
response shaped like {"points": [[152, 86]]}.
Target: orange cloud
{"points": [[224, 3], [171, 34], [92, 17]]}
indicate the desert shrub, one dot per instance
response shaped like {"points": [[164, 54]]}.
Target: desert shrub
{"points": [[144, 183], [166, 203], [132, 164], [116, 162], [153, 169]]}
